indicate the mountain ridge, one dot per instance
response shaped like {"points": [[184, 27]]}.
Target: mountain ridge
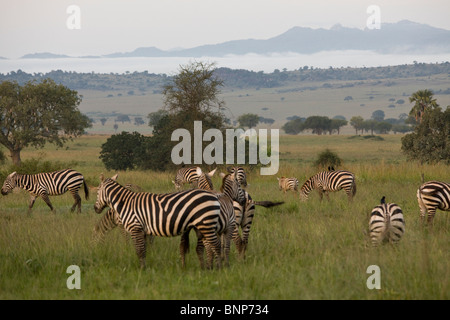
{"points": [[401, 37]]}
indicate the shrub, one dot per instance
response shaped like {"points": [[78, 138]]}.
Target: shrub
{"points": [[327, 158]]}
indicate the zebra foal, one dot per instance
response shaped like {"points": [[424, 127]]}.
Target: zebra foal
{"points": [[433, 195], [185, 175], [48, 184], [287, 184], [386, 223], [163, 215]]}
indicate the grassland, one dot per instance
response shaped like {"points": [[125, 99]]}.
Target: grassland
{"points": [[309, 250]]}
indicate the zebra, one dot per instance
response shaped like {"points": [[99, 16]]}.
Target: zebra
{"points": [[111, 219], [433, 195], [230, 191], [241, 175], [48, 184], [185, 175], [386, 223], [286, 184], [327, 181], [163, 215]]}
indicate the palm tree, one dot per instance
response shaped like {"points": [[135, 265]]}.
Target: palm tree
{"points": [[423, 100]]}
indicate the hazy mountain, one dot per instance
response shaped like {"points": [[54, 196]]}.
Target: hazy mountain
{"points": [[44, 55], [401, 37]]}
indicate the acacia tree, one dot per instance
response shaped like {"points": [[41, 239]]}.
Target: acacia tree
{"points": [[191, 95], [37, 113]]}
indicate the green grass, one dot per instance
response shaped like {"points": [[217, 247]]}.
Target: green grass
{"points": [[299, 250]]}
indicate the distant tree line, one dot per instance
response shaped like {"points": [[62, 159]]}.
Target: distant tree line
{"points": [[231, 78]]}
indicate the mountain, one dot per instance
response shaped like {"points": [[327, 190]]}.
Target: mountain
{"points": [[401, 37], [44, 55]]}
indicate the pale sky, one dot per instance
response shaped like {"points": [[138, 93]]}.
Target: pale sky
{"points": [[107, 26]]}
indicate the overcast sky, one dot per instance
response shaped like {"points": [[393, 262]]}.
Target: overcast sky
{"points": [[107, 26]]}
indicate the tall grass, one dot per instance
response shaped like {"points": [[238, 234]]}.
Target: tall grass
{"points": [[299, 250]]}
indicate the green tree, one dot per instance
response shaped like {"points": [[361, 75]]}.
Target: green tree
{"points": [[357, 123], [37, 113], [430, 141], [423, 100], [378, 115], [294, 126], [318, 124], [249, 120], [123, 151], [337, 124]]}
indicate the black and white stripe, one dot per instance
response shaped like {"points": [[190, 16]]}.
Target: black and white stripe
{"points": [[386, 223], [48, 184], [327, 181], [163, 215], [185, 175], [241, 176], [287, 184], [433, 195], [230, 191]]}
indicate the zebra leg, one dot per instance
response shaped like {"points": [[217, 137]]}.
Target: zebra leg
{"points": [[47, 201], [200, 250], [77, 198], [431, 213], [212, 245], [138, 237], [184, 247], [226, 244]]}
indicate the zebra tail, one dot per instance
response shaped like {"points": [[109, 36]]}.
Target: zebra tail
{"points": [[86, 190], [354, 188], [267, 204]]}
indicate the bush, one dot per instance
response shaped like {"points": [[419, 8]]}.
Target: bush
{"points": [[327, 159]]}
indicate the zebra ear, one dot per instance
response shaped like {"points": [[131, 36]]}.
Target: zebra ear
{"points": [[278, 179], [13, 174], [102, 177], [114, 177], [222, 174], [199, 171], [211, 173]]}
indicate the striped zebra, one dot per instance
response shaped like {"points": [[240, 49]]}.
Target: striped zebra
{"points": [[109, 221], [48, 184], [386, 223], [185, 175], [327, 181], [286, 184], [240, 175], [433, 195], [163, 215], [230, 192]]}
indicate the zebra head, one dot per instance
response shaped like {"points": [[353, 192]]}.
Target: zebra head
{"points": [[204, 179], [9, 184], [102, 200], [240, 175], [232, 188]]}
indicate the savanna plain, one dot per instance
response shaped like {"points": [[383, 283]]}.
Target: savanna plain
{"points": [[299, 250]]}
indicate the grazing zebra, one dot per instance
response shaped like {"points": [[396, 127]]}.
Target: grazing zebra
{"points": [[230, 191], [163, 215], [185, 175], [48, 184], [286, 184], [327, 181], [241, 175], [433, 195], [386, 223]]}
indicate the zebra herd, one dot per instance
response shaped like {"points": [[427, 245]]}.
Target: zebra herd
{"points": [[218, 218]]}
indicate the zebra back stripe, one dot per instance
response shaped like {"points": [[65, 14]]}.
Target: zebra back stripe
{"points": [[433, 195], [386, 223]]}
